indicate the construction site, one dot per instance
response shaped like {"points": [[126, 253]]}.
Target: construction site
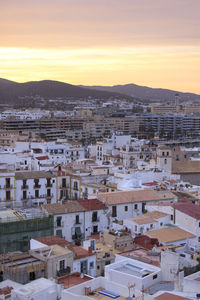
{"points": [[18, 227]]}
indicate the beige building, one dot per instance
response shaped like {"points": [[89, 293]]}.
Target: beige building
{"points": [[58, 260]]}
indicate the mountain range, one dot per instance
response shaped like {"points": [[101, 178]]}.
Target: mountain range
{"points": [[11, 91], [147, 93]]}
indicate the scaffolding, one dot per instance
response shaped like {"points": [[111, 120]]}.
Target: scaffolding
{"points": [[15, 233]]}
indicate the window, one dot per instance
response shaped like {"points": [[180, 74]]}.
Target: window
{"points": [[172, 217], [135, 228], [165, 161], [75, 196], [48, 192], [95, 229], [59, 233], [63, 182], [32, 276], [91, 265], [107, 262], [62, 264], [77, 219], [7, 182], [24, 195], [126, 208], [199, 224], [7, 195], [155, 276], [36, 193], [151, 226], [199, 239], [135, 206], [75, 185], [58, 221], [161, 224], [94, 216], [114, 211]]}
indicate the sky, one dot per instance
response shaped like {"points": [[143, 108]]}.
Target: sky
{"points": [[153, 43]]}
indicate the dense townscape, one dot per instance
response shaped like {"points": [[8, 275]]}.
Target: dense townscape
{"points": [[100, 200]]}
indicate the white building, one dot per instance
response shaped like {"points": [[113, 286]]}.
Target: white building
{"points": [[146, 222], [77, 220], [38, 289], [126, 270], [35, 188]]}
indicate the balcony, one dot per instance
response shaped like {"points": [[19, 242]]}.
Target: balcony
{"points": [[75, 188], [49, 196], [64, 186], [8, 186], [37, 186], [95, 219], [24, 187], [61, 224], [64, 272], [48, 185], [78, 223]]}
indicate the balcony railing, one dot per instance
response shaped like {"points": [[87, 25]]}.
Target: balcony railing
{"points": [[64, 186], [37, 186], [8, 186], [49, 196], [95, 219], [24, 187], [64, 272], [49, 185], [79, 222], [61, 224]]}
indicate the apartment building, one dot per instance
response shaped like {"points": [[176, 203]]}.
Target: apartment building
{"points": [[35, 188], [77, 220]]}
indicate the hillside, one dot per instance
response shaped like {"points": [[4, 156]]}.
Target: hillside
{"points": [[147, 93], [11, 91]]}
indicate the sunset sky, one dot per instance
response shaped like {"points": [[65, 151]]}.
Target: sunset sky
{"points": [[102, 42]]}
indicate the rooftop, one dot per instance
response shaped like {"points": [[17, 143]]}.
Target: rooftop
{"points": [[170, 234], [189, 209], [33, 175], [73, 279], [58, 209], [53, 240], [134, 196], [167, 296], [92, 204]]}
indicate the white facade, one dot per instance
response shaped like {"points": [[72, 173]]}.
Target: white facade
{"points": [[83, 221], [86, 265], [129, 270], [35, 188], [7, 189], [38, 289]]}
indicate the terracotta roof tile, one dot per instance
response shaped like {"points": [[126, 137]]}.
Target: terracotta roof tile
{"points": [[167, 296], [189, 209], [53, 240], [92, 204], [120, 197], [58, 209], [170, 234]]}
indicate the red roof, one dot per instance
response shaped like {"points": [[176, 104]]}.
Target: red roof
{"points": [[92, 204], [6, 290], [42, 157], [80, 252], [73, 279], [53, 240], [151, 183], [189, 209]]}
